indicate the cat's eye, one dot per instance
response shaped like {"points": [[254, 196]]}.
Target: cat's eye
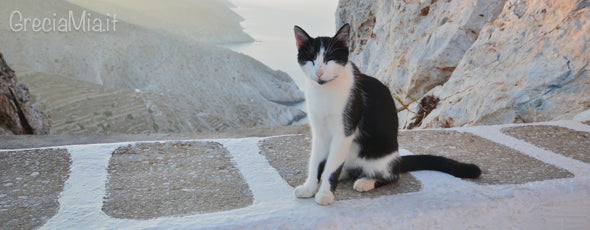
{"points": [[328, 57]]}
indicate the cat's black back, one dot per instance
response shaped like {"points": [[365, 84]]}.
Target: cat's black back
{"points": [[371, 112]]}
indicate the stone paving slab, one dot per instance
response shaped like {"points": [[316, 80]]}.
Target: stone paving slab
{"points": [[289, 155], [500, 164], [154, 180], [30, 184], [560, 140]]}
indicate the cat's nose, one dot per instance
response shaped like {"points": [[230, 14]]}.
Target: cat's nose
{"points": [[319, 73]]}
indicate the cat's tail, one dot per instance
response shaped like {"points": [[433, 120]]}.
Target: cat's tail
{"points": [[438, 163]]}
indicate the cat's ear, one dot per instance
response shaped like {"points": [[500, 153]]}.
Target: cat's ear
{"points": [[301, 37], [343, 34]]}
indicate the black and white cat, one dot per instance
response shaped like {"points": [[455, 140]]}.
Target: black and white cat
{"points": [[354, 124]]}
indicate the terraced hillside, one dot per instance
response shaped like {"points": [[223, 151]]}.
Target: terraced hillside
{"points": [[81, 107], [77, 106]]}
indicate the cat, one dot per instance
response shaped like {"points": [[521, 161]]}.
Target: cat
{"points": [[353, 123]]}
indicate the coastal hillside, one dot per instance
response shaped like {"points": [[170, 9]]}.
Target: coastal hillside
{"points": [[475, 62], [178, 85], [209, 21]]}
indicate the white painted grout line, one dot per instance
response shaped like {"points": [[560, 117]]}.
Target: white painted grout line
{"points": [[583, 116], [573, 125], [264, 181], [495, 134], [81, 200]]}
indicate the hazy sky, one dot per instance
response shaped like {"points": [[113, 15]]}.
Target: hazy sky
{"points": [[317, 15]]}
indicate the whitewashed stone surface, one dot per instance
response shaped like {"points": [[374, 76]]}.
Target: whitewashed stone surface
{"points": [[490, 62]]}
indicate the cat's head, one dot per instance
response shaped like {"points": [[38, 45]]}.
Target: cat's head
{"points": [[323, 59]]}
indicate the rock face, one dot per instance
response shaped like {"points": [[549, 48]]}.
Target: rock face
{"points": [[489, 62], [17, 115], [185, 86]]}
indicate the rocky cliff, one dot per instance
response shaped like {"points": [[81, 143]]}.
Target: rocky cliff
{"points": [[17, 116], [484, 61]]}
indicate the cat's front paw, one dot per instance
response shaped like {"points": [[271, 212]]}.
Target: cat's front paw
{"points": [[305, 191], [324, 197], [364, 184]]}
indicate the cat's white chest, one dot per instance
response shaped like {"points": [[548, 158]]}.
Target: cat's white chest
{"points": [[322, 103], [326, 103]]}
